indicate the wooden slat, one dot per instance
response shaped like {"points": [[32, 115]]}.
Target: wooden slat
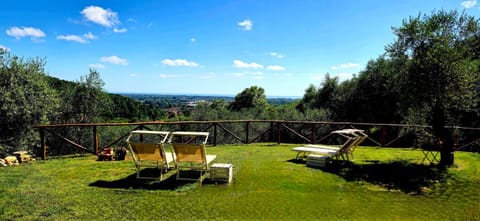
{"points": [[69, 141], [231, 133], [296, 133]]}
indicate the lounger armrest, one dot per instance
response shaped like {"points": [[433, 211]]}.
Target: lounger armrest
{"points": [[210, 158], [322, 147], [314, 150]]}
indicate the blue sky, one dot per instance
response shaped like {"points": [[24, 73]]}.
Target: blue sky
{"points": [[206, 46]]}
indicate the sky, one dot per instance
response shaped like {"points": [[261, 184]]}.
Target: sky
{"points": [[208, 47]]}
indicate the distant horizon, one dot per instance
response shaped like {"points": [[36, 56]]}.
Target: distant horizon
{"points": [[199, 95]]}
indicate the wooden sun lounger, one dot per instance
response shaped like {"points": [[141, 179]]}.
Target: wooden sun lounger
{"points": [[191, 156], [150, 154], [336, 152], [345, 152]]}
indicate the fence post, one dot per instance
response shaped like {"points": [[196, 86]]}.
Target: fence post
{"points": [[278, 132], [314, 136], [247, 125], [384, 136], [95, 139], [43, 143], [270, 134], [214, 134]]}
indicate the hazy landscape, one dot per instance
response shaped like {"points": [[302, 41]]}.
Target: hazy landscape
{"points": [[400, 80]]}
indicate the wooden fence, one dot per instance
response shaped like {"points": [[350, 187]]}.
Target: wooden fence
{"points": [[273, 132]]}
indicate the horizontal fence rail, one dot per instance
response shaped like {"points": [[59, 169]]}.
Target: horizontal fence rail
{"points": [[249, 131]]}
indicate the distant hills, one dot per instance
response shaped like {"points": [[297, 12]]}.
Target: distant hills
{"points": [[186, 98]]}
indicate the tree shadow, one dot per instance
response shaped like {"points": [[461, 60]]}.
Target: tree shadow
{"points": [[131, 182], [405, 176]]}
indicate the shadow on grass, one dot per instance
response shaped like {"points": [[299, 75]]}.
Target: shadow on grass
{"points": [[131, 182], [399, 175], [395, 175]]}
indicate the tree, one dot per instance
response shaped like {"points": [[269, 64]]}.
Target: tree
{"points": [[89, 101], [371, 96], [322, 98], [249, 98], [25, 100], [440, 70]]}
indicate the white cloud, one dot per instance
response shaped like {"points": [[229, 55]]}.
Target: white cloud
{"points": [[179, 62], [469, 4], [193, 40], [104, 17], [345, 66], [241, 64], [276, 68], [133, 75], [76, 38], [97, 66], [122, 30], [18, 33], [276, 55], [132, 20], [90, 36], [4, 48], [246, 24], [114, 60]]}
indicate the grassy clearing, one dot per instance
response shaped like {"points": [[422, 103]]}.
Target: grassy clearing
{"points": [[381, 184]]}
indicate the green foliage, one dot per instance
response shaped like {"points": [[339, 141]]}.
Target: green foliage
{"points": [[249, 98], [442, 71], [29, 97], [324, 97], [89, 101], [371, 97], [430, 75], [128, 109], [25, 100]]}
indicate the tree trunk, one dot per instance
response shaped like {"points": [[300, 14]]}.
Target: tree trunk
{"points": [[444, 136], [447, 153]]}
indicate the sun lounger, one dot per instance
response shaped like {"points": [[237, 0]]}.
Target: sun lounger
{"points": [[335, 152], [361, 136], [149, 152], [345, 152], [190, 154]]}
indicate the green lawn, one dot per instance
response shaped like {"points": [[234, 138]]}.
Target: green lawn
{"points": [[381, 184]]}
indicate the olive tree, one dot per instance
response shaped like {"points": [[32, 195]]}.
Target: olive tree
{"points": [[253, 96], [440, 70], [26, 99]]}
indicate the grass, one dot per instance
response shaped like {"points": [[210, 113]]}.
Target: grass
{"points": [[268, 184]]}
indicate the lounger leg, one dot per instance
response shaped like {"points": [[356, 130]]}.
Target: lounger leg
{"points": [[178, 174], [298, 155]]}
